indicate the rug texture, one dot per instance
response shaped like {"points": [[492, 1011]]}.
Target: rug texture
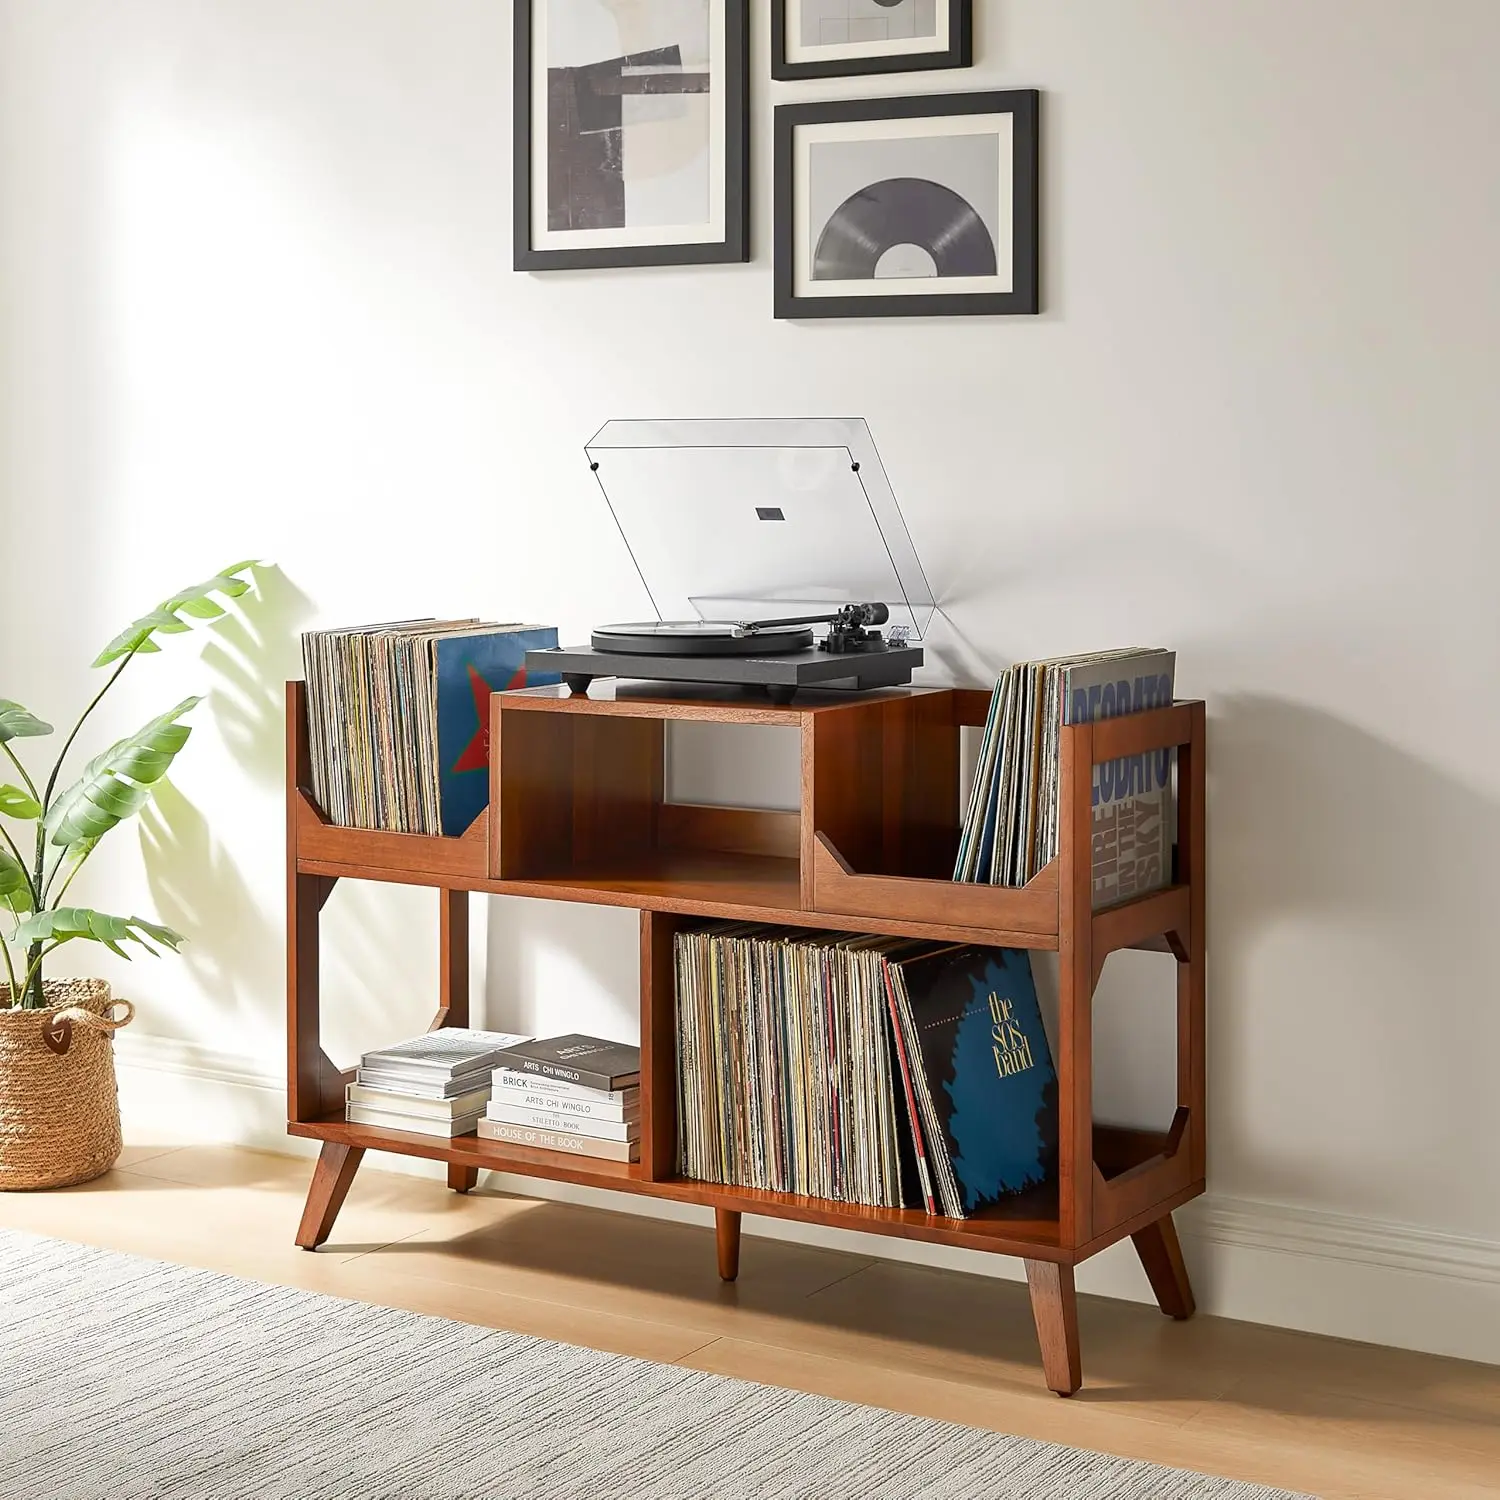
{"points": [[126, 1378]]}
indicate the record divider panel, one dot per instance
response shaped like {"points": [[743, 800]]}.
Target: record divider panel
{"points": [[578, 812]]}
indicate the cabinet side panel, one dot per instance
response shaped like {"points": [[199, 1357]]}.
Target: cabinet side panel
{"points": [[531, 805], [1192, 1085], [1075, 1079], [658, 1046]]}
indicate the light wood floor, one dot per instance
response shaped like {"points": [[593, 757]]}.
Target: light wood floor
{"points": [[1334, 1419]]}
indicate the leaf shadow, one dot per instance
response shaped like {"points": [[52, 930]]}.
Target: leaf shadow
{"points": [[251, 653], [233, 952]]}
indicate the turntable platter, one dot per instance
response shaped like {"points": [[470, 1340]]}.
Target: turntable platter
{"points": [[700, 638]]}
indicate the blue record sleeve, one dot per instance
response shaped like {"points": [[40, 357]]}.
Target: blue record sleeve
{"points": [[988, 1069], [469, 669]]}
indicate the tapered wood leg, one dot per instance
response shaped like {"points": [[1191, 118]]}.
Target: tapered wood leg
{"points": [[727, 1235], [1054, 1305], [462, 1179], [332, 1177], [1161, 1254]]}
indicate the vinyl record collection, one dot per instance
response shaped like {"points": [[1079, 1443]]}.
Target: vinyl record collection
{"points": [[862, 1069], [397, 721], [1010, 829]]}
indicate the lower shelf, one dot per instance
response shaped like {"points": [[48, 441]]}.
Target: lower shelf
{"points": [[1028, 1229], [471, 1151]]}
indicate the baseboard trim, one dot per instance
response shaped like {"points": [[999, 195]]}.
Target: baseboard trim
{"points": [[185, 1059], [1214, 1220], [1390, 1246]]}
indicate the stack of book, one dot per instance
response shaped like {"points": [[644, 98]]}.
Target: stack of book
{"points": [[579, 1094], [1011, 826], [873, 1070], [398, 718], [435, 1084]]}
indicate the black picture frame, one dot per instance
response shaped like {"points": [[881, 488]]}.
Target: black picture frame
{"points": [[958, 54], [1024, 294], [734, 247]]}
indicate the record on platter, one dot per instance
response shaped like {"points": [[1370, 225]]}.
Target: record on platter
{"points": [[700, 638], [903, 211]]}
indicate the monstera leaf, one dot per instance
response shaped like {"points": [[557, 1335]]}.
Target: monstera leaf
{"points": [[119, 782], [15, 803], [15, 888], [69, 922], [17, 723], [197, 603]]}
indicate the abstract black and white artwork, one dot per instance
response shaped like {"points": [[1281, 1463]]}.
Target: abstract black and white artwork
{"points": [[831, 38], [632, 145], [916, 207]]}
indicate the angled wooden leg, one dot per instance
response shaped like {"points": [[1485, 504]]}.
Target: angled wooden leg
{"points": [[1161, 1255], [1054, 1305], [462, 1179], [727, 1236], [332, 1177]]}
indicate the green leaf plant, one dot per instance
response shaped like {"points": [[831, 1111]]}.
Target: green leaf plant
{"points": [[64, 826]]}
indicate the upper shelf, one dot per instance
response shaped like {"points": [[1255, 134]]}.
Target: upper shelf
{"points": [[577, 813]]}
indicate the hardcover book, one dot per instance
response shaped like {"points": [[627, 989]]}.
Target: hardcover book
{"points": [[558, 1140], [362, 1114], [586, 1104], [588, 1061], [604, 1130], [445, 1053], [409, 1086], [424, 1106], [980, 1071]]}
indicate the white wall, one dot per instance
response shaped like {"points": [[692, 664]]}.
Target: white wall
{"points": [[255, 298]]}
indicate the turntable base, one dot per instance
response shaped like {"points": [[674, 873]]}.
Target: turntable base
{"points": [[778, 676]]}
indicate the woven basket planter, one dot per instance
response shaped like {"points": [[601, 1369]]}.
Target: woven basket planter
{"points": [[59, 1111]]}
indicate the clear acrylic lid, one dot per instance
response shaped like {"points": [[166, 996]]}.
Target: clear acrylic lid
{"points": [[759, 518]]}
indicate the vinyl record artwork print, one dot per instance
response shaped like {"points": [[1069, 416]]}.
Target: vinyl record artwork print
{"points": [[833, 38], [631, 137], [915, 207]]}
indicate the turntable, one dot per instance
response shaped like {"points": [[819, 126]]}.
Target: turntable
{"points": [[771, 551]]}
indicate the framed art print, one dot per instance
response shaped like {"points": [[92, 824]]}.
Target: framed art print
{"points": [[836, 38], [914, 207], [632, 144]]}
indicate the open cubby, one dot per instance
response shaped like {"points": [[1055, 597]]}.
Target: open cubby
{"points": [[578, 813]]}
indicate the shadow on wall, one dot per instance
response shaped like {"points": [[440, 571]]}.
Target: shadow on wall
{"points": [[1384, 862], [379, 945], [233, 952], [252, 653]]}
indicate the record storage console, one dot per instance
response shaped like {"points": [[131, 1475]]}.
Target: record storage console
{"points": [[578, 813]]}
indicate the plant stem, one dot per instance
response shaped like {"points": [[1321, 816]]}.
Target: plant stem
{"points": [[34, 954], [57, 900], [33, 984], [25, 775], [82, 719], [16, 996], [20, 860]]}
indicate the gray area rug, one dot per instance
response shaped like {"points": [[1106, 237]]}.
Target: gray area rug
{"points": [[132, 1380]]}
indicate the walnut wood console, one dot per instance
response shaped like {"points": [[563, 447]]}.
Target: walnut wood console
{"points": [[578, 813]]}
